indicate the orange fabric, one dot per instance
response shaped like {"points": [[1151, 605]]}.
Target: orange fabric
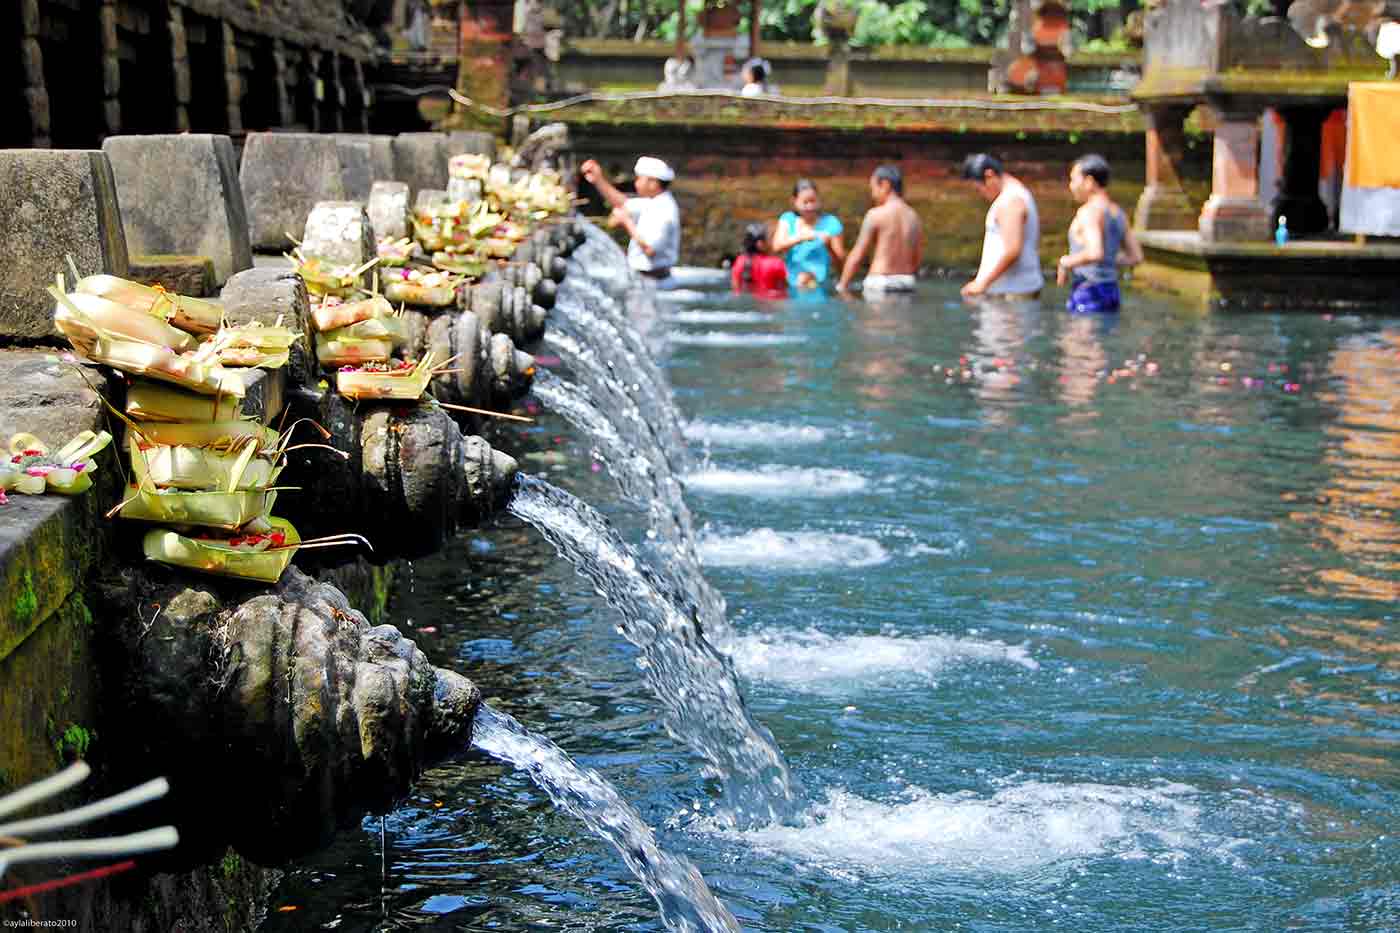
{"points": [[1373, 135]]}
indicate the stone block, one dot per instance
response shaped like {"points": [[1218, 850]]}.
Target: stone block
{"points": [[265, 294], [339, 232], [53, 204], [420, 160], [356, 166], [475, 143], [185, 275], [180, 194], [381, 157], [388, 209], [284, 175]]}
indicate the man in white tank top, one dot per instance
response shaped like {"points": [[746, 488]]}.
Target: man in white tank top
{"points": [[1011, 245]]}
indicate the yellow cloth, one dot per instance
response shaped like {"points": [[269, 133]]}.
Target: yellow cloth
{"points": [[1373, 134]]}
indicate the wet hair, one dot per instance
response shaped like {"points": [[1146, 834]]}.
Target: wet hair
{"points": [[754, 234], [759, 73], [803, 185], [891, 174], [1093, 166], [976, 166]]}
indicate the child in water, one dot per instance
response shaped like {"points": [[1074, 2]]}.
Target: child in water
{"points": [[755, 270], [810, 239]]}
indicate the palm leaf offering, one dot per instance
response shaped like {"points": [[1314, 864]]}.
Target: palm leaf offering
{"points": [[399, 380], [215, 509], [392, 252], [32, 470], [227, 455], [249, 555], [255, 344], [192, 369], [188, 314], [352, 351], [418, 287], [152, 401], [334, 313], [323, 278], [83, 319]]}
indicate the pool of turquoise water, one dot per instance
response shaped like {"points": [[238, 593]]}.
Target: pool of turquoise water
{"points": [[1061, 622]]}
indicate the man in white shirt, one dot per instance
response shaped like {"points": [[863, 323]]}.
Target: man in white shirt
{"points": [[652, 219]]}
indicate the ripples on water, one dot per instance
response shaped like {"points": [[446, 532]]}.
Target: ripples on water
{"points": [[1129, 660]]}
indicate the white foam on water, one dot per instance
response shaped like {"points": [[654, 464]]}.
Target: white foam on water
{"points": [[777, 482], [1018, 829], [753, 434], [717, 317], [723, 338], [766, 549], [813, 661]]}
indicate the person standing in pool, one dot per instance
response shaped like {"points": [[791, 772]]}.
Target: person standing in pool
{"points": [[755, 270], [891, 234], [1010, 265], [811, 239], [652, 219], [1100, 240]]}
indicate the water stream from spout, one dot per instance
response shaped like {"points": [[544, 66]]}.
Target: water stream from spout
{"points": [[621, 386], [685, 901], [694, 683]]}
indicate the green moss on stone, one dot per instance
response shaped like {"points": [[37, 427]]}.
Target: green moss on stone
{"points": [[26, 600]]}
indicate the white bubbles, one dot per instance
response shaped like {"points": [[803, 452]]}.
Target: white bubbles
{"points": [[1021, 828], [777, 482], [724, 338], [766, 549], [753, 434], [813, 661], [718, 317]]}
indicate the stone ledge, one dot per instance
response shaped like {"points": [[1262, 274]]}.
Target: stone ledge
{"points": [[185, 275]]}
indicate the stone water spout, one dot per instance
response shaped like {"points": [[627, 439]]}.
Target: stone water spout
{"points": [[410, 480], [278, 714]]}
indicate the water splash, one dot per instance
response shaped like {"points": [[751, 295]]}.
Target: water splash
{"points": [[685, 901], [694, 682], [774, 481], [769, 550], [753, 434], [813, 661], [1020, 828]]}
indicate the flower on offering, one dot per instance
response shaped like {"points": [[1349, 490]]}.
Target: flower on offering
{"points": [[259, 551], [32, 470]]}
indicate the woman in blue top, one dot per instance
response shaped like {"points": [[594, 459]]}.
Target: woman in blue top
{"points": [[808, 239]]}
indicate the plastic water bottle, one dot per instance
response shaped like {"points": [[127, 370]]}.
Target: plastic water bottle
{"points": [[1281, 233]]}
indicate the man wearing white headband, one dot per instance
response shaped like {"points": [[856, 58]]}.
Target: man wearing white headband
{"points": [[652, 219]]}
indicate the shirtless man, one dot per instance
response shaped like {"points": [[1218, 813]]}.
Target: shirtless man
{"points": [[892, 229]]}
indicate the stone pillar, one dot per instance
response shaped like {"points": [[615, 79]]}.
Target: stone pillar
{"points": [[838, 23], [1234, 212], [1164, 204], [286, 112], [179, 66], [111, 68], [318, 88], [233, 83], [484, 60], [366, 96], [36, 93], [1298, 197], [335, 94]]}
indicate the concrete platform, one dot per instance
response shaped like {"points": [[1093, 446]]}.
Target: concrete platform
{"points": [[1306, 275]]}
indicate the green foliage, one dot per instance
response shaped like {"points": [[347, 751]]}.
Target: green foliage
{"points": [[74, 743], [941, 23]]}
